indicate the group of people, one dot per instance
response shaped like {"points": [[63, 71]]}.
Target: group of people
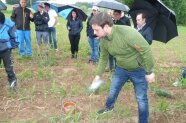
{"points": [[110, 39]]}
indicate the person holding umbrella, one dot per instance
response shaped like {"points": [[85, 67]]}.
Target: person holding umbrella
{"points": [[134, 61], [74, 26], [143, 28], [92, 39], [41, 19]]}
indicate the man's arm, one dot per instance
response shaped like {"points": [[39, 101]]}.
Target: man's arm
{"points": [[13, 16]]}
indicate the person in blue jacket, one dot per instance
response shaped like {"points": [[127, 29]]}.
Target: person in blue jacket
{"points": [[75, 26], [8, 41]]}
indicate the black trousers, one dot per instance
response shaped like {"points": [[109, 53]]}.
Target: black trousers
{"points": [[6, 56], [74, 42]]}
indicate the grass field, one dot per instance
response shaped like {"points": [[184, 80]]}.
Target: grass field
{"points": [[43, 86]]}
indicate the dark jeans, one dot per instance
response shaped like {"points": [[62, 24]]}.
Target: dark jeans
{"points": [[74, 42], [52, 37], [140, 87], [6, 56]]}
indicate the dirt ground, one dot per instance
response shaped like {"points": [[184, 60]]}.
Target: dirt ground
{"points": [[40, 98]]}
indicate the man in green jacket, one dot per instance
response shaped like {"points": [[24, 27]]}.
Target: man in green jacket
{"points": [[134, 61]]}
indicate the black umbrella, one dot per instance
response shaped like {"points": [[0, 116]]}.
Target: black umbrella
{"points": [[2, 6], [112, 4], [65, 11], [160, 18]]}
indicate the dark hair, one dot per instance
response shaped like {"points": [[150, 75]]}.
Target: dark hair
{"points": [[2, 18], [117, 11], [101, 19], [144, 16], [74, 10], [47, 4]]}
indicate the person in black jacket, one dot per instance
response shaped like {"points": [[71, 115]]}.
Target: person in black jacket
{"points": [[74, 25], [92, 39], [22, 17], [143, 28], [120, 20], [41, 19]]}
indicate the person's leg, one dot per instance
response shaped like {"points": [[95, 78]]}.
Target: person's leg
{"points": [[38, 37], [77, 38], [27, 36], [141, 87], [90, 40], [50, 37], [8, 63], [45, 41], [53, 32], [96, 49], [71, 38], [20, 36], [119, 79]]}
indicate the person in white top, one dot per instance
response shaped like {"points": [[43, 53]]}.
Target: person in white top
{"points": [[52, 26]]}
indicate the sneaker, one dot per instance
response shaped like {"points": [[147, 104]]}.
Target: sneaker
{"points": [[13, 85], [89, 61], [104, 110], [56, 50]]}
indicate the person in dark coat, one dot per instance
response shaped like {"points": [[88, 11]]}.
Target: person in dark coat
{"points": [[22, 17], [8, 41], [75, 26], [92, 39], [143, 28], [41, 19]]}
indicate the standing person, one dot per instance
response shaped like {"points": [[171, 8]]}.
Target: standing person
{"points": [[92, 39], [8, 41], [134, 61], [22, 17], [75, 26], [118, 20], [143, 28], [41, 19], [52, 26]]}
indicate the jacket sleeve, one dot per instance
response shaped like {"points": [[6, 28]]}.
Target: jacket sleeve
{"points": [[88, 26], [128, 22], [149, 35], [68, 24], [141, 46], [13, 37], [80, 26], [13, 16], [46, 18]]}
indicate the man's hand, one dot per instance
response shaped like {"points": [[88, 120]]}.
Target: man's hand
{"points": [[150, 78], [31, 15], [96, 79]]}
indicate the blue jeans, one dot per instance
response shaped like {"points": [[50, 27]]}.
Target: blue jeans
{"points": [[140, 86], [112, 62], [94, 47], [24, 35], [52, 37]]}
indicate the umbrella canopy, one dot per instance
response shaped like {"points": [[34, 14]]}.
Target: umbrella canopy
{"points": [[2, 6], [160, 18], [65, 12], [53, 5], [112, 4]]}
